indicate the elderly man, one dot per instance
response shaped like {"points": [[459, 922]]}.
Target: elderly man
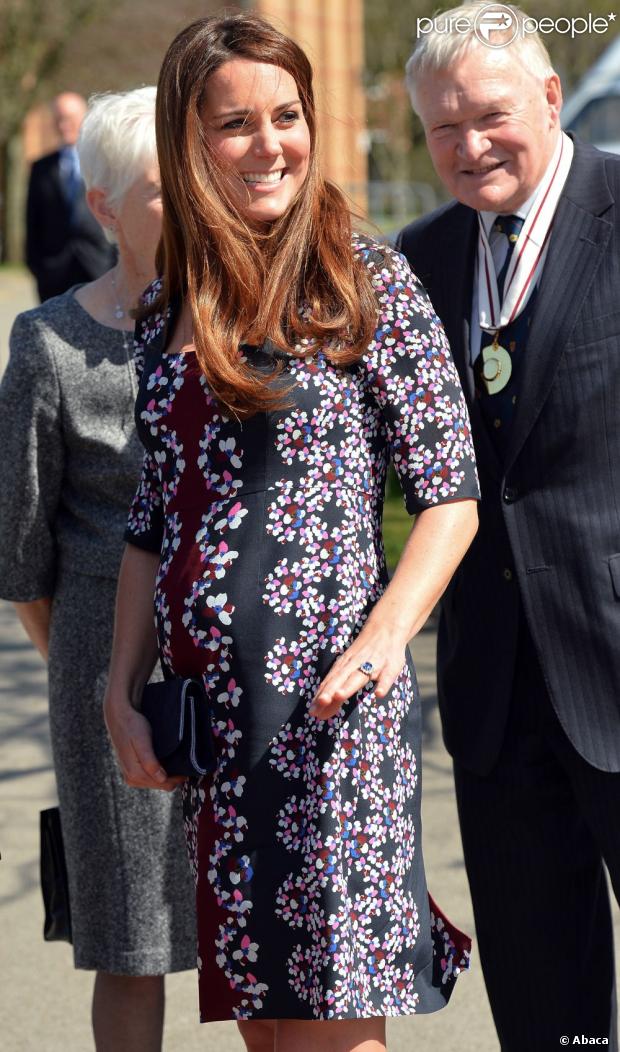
{"points": [[64, 243], [524, 270]]}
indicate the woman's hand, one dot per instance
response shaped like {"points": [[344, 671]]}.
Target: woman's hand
{"points": [[439, 539], [130, 733], [384, 649], [35, 617], [134, 652]]}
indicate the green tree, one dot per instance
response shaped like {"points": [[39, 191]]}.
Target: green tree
{"points": [[47, 46], [33, 38]]}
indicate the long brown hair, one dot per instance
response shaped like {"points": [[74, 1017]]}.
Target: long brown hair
{"points": [[298, 281]]}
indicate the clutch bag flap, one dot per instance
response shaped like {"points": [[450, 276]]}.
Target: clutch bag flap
{"points": [[178, 712]]}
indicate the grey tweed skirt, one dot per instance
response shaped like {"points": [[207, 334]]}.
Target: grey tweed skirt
{"points": [[132, 896]]}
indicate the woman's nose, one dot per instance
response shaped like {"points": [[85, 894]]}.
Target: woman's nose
{"points": [[267, 141]]}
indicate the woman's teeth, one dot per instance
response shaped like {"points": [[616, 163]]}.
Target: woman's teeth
{"points": [[262, 177]]}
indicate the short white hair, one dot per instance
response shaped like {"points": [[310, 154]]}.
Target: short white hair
{"points": [[117, 141], [444, 45]]}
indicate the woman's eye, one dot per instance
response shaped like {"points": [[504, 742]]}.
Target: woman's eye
{"points": [[237, 122], [289, 116]]}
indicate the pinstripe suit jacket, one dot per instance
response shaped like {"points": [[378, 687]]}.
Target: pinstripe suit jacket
{"points": [[549, 532]]}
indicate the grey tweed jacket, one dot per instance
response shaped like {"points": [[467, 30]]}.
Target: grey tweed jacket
{"points": [[69, 459]]}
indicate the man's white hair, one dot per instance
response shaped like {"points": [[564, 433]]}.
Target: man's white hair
{"points": [[446, 44], [117, 141]]}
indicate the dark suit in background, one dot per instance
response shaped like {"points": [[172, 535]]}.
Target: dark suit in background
{"points": [[64, 243], [529, 640]]}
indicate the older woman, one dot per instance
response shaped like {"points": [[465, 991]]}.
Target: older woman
{"points": [[69, 468], [284, 362]]}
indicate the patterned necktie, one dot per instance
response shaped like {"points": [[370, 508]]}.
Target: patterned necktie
{"points": [[511, 227]]}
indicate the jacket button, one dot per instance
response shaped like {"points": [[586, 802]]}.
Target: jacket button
{"points": [[510, 494], [507, 573]]}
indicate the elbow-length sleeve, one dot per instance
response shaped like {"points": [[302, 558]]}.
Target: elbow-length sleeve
{"points": [[32, 463], [416, 386], [145, 524]]}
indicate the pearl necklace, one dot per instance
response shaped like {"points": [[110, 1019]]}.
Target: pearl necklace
{"points": [[119, 314], [119, 311]]}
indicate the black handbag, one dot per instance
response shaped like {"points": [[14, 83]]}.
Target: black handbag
{"points": [[54, 883], [179, 714]]}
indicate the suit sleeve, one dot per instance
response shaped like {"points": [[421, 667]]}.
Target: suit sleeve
{"points": [[416, 388], [31, 470]]}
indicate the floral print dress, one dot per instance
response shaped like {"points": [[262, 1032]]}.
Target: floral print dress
{"points": [[305, 845]]}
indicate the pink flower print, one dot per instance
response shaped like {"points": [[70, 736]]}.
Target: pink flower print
{"points": [[288, 665], [231, 696], [218, 605], [234, 784], [239, 870], [246, 953], [217, 558], [354, 839], [227, 732], [305, 968], [327, 861], [227, 448], [298, 905], [293, 824], [291, 752], [157, 380], [233, 823], [233, 518]]}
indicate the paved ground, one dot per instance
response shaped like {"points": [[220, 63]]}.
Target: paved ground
{"points": [[17, 292], [44, 1003]]}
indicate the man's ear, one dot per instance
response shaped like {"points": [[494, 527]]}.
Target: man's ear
{"points": [[105, 215], [553, 91]]}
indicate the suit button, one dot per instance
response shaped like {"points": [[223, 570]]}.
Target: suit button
{"points": [[510, 494], [507, 573]]}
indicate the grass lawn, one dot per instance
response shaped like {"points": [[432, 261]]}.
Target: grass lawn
{"points": [[396, 522]]}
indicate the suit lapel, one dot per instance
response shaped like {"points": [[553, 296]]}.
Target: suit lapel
{"points": [[576, 247], [456, 298], [456, 286]]}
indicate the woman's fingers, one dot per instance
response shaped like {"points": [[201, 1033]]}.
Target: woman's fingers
{"points": [[147, 772], [344, 679], [131, 737]]}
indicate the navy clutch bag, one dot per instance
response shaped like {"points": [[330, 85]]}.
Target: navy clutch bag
{"points": [[179, 714]]}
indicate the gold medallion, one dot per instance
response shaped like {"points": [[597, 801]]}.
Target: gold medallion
{"points": [[495, 367]]}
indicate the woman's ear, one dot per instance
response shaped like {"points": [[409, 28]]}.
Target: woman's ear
{"points": [[105, 215]]}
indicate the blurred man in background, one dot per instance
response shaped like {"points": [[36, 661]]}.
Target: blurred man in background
{"points": [[64, 243]]}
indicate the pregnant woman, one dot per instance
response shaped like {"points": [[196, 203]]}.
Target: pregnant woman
{"points": [[284, 362]]}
